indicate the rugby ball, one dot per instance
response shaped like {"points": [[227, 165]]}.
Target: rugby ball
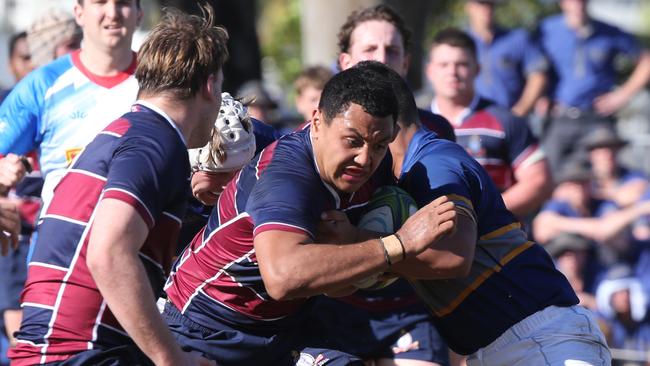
{"points": [[388, 209]]}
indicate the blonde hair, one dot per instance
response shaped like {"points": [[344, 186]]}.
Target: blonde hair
{"points": [[181, 53]]}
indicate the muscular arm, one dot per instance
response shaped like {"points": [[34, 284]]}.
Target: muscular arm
{"points": [[533, 187], [294, 267], [450, 257], [117, 234], [535, 84]]}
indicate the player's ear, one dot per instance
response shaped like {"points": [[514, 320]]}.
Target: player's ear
{"points": [[316, 120], [211, 88], [345, 61]]}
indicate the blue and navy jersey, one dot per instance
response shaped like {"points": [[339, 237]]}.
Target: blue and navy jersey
{"points": [[583, 63], [510, 278], [498, 140], [217, 278], [58, 109], [506, 62], [140, 159]]}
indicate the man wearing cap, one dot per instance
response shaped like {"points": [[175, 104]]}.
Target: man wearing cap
{"points": [[573, 209], [53, 35], [582, 52], [513, 67], [612, 181]]}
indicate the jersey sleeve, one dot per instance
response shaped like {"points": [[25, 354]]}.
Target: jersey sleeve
{"points": [[289, 195], [144, 173], [534, 59], [264, 135], [20, 116], [446, 172]]}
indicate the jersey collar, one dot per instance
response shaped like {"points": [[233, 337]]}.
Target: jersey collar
{"points": [[164, 115]]}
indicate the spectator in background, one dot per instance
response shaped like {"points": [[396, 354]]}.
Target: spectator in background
{"points": [[378, 33], [19, 59], [572, 209], [50, 36], [53, 35], [308, 86], [582, 53], [611, 181], [513, 67], [500, 141], [573, 257], [623, 307], [261, 105]]}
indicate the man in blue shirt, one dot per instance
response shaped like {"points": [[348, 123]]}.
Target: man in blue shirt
{"points": [[582, 52], [513, 68]]}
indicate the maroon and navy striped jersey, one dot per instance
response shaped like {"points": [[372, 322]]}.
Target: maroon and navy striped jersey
{"points": [[217, 279], [140, 159], [498, 140]]}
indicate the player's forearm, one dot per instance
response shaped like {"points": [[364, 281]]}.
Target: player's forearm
{"points": [[123, 283], [535, 84], [313, 269]]}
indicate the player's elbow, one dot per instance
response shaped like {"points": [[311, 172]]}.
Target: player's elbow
{"points": [[98, 262], [279, 284]]}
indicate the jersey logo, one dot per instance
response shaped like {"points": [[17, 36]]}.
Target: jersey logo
{"points": [[78, 115], [475, 147], [3, 126], [70, 154]]}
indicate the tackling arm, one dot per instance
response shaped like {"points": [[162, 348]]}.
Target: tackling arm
{"points": [[293, 267]]}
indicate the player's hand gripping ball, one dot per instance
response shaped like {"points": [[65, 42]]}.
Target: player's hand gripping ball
{"points": [[388, 209]]}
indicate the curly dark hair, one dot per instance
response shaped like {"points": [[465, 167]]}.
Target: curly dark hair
{"points": [[361, 85], [379, 12], [407, 108]]}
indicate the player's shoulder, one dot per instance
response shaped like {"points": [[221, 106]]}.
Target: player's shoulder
{"points": [[294, 149], [37, 82]]}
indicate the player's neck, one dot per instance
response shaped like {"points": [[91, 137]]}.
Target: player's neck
{"points": [[102, 63], [400, 145], [184, 114]]}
